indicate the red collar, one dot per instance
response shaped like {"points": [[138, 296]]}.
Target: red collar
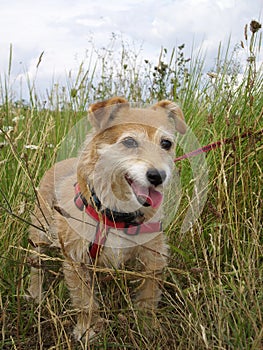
{"points": [[104, 224]]}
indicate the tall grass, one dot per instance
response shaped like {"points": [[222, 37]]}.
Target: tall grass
{"points": [[213, 294]]}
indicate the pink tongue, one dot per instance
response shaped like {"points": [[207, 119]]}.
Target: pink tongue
{"points": [[147, 195]]}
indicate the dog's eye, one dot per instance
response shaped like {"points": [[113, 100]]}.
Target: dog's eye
{"points": [[130, 142], [166, 144]]}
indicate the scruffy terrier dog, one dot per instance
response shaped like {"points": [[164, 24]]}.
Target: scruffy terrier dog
{"points": [[104, 208]]}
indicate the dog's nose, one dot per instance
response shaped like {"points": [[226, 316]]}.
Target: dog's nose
{"points": [[155, 176]]}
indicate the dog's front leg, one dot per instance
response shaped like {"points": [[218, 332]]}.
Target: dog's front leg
{"points": [[36, 277], [153, 256], [79, 283]]}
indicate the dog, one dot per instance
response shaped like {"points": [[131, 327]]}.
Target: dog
{"points": [[104, 208]]}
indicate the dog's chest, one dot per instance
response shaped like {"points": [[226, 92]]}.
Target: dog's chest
{"points": [[115, 257]]}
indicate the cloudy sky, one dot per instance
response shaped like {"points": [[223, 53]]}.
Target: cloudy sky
{"points": [[63, 29]]}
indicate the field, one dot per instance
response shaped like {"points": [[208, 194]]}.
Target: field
{"points": [[213, 289]]}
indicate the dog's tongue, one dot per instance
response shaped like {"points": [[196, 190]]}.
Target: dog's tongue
{"points": [[147, 195]]}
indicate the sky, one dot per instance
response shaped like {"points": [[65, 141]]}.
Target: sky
{"points": [[63, 29]]}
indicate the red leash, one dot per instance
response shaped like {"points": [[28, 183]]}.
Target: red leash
{"points": [[216, 144]]}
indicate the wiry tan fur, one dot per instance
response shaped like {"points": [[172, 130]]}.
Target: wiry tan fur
{"points": [[66, 227]]}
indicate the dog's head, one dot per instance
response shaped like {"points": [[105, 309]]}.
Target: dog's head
{"points": [[129, 158]]}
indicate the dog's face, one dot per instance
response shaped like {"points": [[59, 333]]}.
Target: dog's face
{"points": [[129, 159]]}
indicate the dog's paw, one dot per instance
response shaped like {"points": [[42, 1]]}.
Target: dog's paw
{"points": [[84, 334], [146, 304], [34, 297]]}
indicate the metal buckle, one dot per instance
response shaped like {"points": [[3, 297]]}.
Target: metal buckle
{"points": [[78, 201], [127, 230]]}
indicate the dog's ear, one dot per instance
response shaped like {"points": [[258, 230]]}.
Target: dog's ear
{"points": [[101, 113], [174, 112]]}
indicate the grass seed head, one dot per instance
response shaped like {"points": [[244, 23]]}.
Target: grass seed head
{"points": [[254, 26]]}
